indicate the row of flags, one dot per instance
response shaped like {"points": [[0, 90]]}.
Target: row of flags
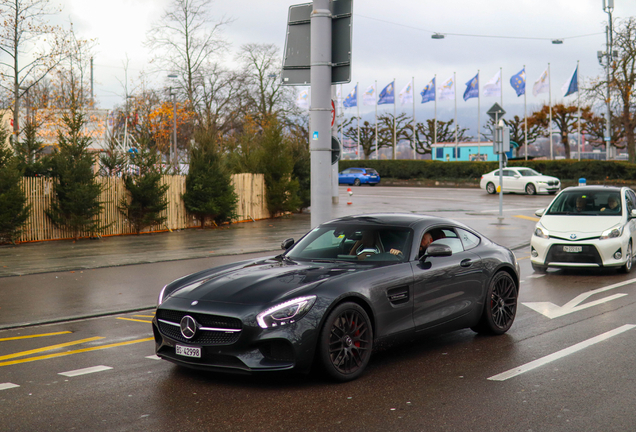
{"points": [[492, 88]]}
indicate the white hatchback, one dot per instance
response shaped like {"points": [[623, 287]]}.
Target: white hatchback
{"points": [[586, 226], [520, 179]]}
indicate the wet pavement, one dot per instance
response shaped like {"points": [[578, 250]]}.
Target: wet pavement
{"points": [[470, 206]]}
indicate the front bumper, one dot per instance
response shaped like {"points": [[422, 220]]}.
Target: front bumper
{"points": [[253, 349], [547, 188], [553, 252]]}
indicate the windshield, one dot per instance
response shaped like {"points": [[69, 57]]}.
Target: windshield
{"points": [[528, 172], [354, 243], [587, 203]]}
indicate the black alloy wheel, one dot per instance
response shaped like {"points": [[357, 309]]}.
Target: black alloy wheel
{"points": [[356, 182], [530, 189], [346, 342], [500, 307], [490, 188]]}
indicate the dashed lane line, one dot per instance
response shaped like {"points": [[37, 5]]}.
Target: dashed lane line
{"points": [[6, 386], [560, 354], [33, 336], [534, 219], [48, 348], [85, 371], [100, 347]]}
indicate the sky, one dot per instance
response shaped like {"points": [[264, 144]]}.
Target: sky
{"points": [[391, 40]]}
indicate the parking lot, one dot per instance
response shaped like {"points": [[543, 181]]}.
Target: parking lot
{"points": [[76, 349]]}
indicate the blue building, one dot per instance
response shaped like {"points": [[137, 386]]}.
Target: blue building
{"points": [[466, 151]]}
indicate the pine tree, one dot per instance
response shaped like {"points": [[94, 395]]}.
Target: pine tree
{"points": [[14, 210], [77, 205], [209, 191], [147, 195], [277, 165], [29, 152]]}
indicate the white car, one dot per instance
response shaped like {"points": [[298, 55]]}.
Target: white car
{"points": [[586, 226], [520, 179]]}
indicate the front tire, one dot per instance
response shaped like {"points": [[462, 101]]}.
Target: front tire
{"points": [[490, 188], [345, 342], [500, 307], [627, 268], [531, 189]]}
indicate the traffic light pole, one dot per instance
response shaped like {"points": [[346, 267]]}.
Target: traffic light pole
{"points": [[320, 112]]}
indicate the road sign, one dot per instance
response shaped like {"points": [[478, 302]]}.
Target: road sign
{"points": [[335, 150], [296, 62], [496, 112], [333, 113]]}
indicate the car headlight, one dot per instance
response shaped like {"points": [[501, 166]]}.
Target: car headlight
{"points": [[542, 182], [285, 313], [540, 231], [614, 232]]}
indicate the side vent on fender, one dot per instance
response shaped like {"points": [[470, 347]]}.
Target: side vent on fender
{"points": [[398, 295]]}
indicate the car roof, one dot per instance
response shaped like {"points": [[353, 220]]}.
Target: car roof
{"points": [[394, 219], [594, 188]]}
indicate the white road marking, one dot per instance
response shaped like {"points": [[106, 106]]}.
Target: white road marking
{"points": [[559, 354], [536, 276], [85, 371], [553, 311], [153, 357], [6, 386]]}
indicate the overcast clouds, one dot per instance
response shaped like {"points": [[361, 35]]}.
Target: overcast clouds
{"points": [[389, 40]]}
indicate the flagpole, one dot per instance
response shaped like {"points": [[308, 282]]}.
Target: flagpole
{"points": [[550, 109], [394, 122], [375, 91], [578, 103], [525, 112], [413, 137], [501, 86], [358, 121], [455, 91], [435, 90], [478, 116]]}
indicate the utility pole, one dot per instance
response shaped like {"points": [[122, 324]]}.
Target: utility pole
{"points": [[608, 7], [320, 111]]}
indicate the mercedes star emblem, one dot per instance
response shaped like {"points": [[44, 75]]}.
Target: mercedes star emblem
{"points": [[188, 327]]}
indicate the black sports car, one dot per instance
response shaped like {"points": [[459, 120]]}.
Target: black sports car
{"points": [[348, 286]]}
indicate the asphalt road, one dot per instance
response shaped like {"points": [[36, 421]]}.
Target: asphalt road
{"points": [[566, 364]]}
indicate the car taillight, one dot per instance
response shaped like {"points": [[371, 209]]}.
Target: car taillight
{"points": [[366, 174]]}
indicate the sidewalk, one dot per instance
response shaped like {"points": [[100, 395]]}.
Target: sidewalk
{"points": [[263, 235]]}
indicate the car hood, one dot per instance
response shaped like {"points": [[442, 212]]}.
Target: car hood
{"points": [[542, 178], [579, 224], [262, 282]]}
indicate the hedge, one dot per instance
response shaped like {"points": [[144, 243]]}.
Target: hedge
{"points": [[569, 169]]}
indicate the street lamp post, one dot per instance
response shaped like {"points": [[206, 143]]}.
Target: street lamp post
{"points": [[173, 150], [608, 7]]}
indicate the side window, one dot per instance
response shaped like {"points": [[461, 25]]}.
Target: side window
{"points": [[508, 173], [449, 237], [347, 171], [468, 239], [496, 173], [632, 195]]}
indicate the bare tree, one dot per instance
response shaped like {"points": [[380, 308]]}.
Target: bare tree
{"points": [[265, 95], [425, 134], [187, 41], [33, 47], [367, 135], [517, 131], [222, 99], [403, 129]]}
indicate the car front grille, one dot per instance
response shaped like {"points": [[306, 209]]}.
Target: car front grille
{"points": [[588, 255], [553, 183], [168, 321]]}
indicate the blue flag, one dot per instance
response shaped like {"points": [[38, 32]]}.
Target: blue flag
{"points": [[573, 85], [428, 94], [472, 88], [518, 82], [387, 95], [352, 98]]}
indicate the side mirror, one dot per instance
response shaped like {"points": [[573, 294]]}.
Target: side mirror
{"points": [[438, 250], [286, 244], [540, 212], [517, 176], [633, 214]]}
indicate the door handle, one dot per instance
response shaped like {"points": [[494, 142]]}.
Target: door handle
{"points": [[466, 263]]}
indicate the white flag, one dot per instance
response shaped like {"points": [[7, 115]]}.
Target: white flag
{"points": [[368, 98], [406, 94], [303, 100], [447, 90], [493, 87], [542, 85]]}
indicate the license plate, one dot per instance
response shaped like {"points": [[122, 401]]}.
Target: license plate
{"points": [[573, 249], [187, 351]]}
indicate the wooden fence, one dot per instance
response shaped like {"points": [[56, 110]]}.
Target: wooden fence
{"points": [[251, 205]]}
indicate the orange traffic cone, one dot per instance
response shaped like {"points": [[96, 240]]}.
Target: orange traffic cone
{"points": [[350, 193]]}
